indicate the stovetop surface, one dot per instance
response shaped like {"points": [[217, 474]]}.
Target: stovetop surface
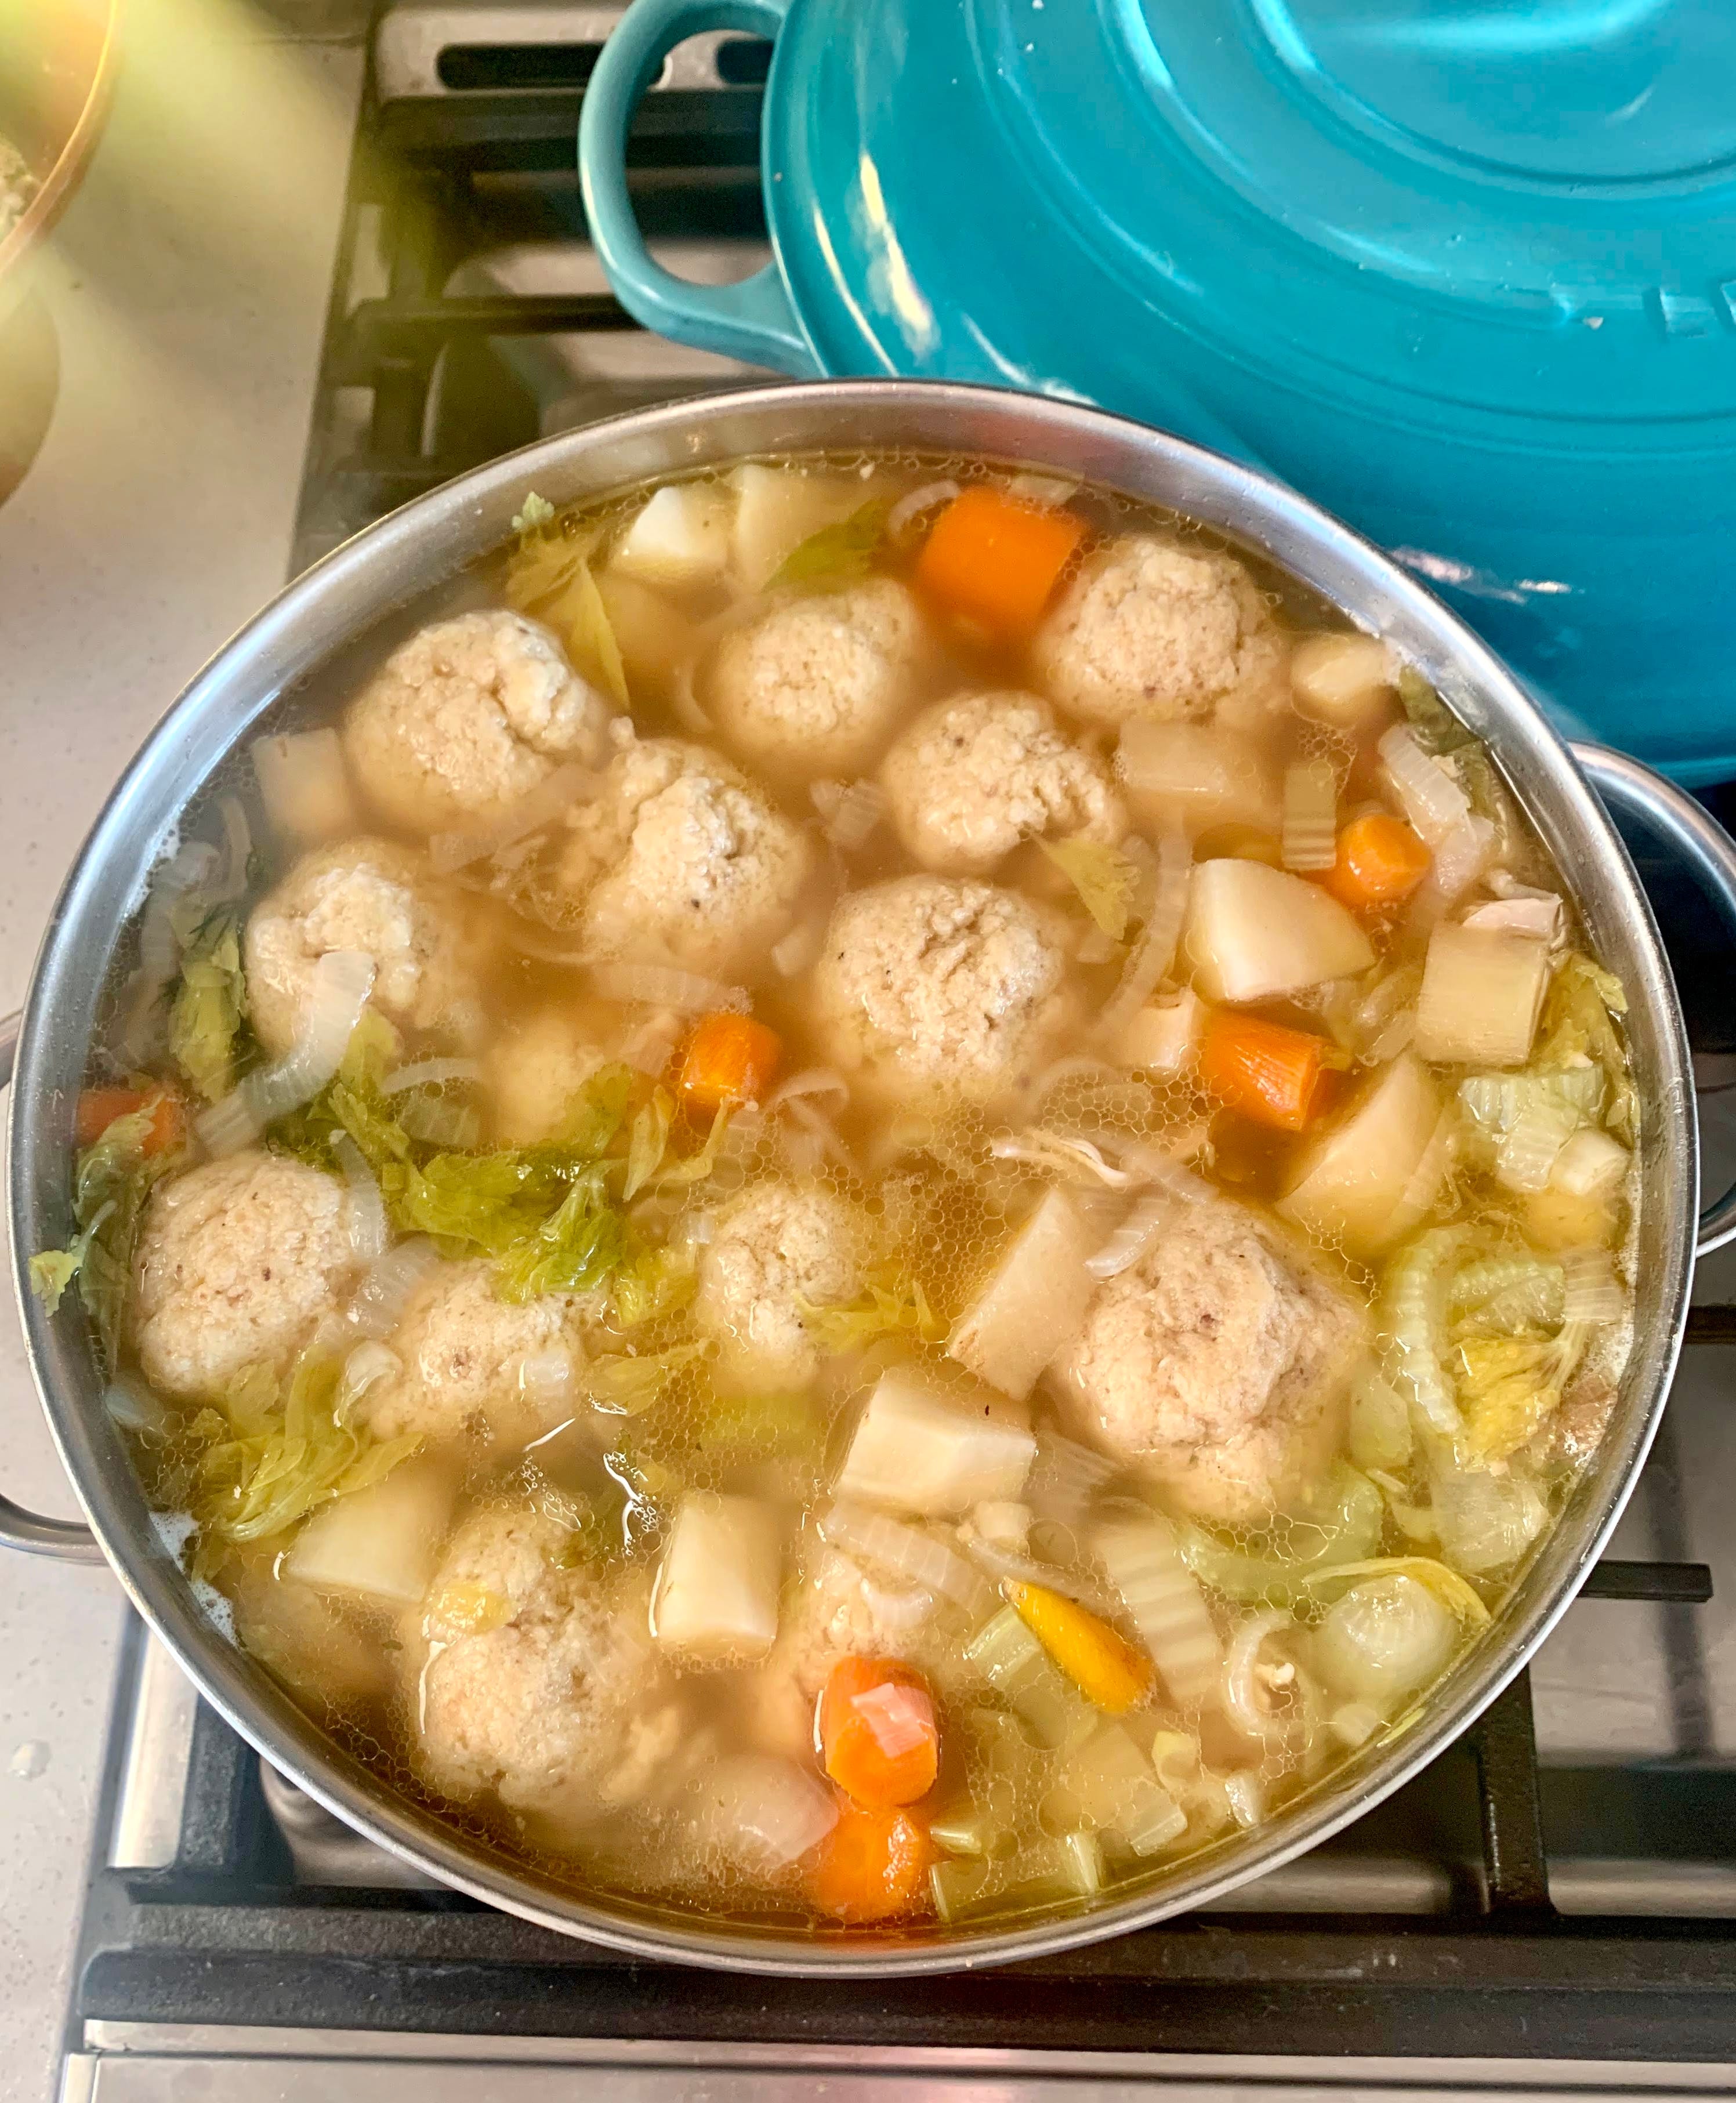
{"points": [[1560, 1888]]}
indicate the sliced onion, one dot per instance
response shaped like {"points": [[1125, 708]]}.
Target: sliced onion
{"points": [[904, 1552], [1151, 956], [667, 985], [1242, 1695], [799, 948], [765, 1812], [1004, 1564], [1045, 490], [1037, 1148], [1132, 1238], [900, 1718], [342, 981], [820, 1132], [1246, 1794], [388, 1282], [1065, 1478], [813, 1082], [1460, 859], [917, 501], [369, 1363], [1433, 800], [135, 1409], [552, 798], [429, 1073], [648, 1045], [370, 1233], [850, 810], [902, 1611]]}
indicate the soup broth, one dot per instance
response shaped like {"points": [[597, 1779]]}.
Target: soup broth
{"points": [[877, 1192]]}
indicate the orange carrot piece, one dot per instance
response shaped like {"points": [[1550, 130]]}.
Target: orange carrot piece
{"points": [[98, 1108], [878, 1735], [872, 1865], [996, 561], [1381, 861], [1273, 1074], [730, 1058]]}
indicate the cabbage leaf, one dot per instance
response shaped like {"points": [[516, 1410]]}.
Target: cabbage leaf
{"points": [[651, 1283], [114, 1178], [267, 1462], [210, 1001], [624, 1385], [1509, 1386], [1344, 1525], [1107, 880], [1433, 724], [762, 1427], [647, 1141], [575, 1248], [892, 1301], [1578, 1025]]}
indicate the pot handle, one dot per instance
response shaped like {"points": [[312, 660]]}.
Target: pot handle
{"points": [[1711, 854], [69, 1540], [753, 320]]}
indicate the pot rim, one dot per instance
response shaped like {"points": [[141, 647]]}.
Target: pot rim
{"points": [[425, 541]]}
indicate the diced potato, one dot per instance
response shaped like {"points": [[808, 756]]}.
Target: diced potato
{"points": [[1032, 1303], [716, 1596], [1347, 681], [652, 633], [304, 786], [1482, 990], [1365, 1179], [1253, 933], [382, 1543], [917, 1452], [1162, 1036], [1196, 776], [681, 537], [1590, 1165], [777, 508], [1556, 1219], [306, 1639]]}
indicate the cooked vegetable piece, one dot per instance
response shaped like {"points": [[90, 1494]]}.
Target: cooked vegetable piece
{"points": [[1255, 933], [716, 1596], [918, 1450], [1105, 1667], [165, 1129], [1344, 680], [1379, 862], [1385, 1638], [1198, 776], [1018, 1667], [1111, 1786], [1164, 1036], [304, 786], [1374, 1173], [1310, 806], [730, 1058], [1590, 1164], [1342, 1523], [1266, 1071], [878, 1736], [381, 1543], [766, 1813], [210, 1000], [679, 536], [1032, 1303], [1163, 1599], [996, 561], [872, 1865], [1107, 880], [836, 554], [777, 509], [1481, 995]]}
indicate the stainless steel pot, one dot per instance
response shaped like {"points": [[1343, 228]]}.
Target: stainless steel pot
{"points": [[405, 555]]}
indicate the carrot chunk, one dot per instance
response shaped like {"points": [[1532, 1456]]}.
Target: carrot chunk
{"points": [[878, 1736], [996, 561], [1101, 1663], [1268, 1072], [730, 1058], [872, 1865], [1380, 861], [98, 1108]]}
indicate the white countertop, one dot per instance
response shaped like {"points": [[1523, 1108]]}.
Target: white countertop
{"points": [[188, 286]]}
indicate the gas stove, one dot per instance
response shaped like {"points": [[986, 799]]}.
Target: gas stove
{"points": [[1551, 1904]]}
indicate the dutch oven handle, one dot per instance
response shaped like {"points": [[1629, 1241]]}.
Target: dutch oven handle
{"points": [[753, 320], [69, 1540], [1710, 852]]}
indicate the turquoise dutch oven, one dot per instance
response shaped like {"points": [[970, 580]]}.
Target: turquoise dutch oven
{"points": [[1464, 271]]}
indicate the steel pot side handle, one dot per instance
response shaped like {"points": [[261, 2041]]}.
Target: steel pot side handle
{"points": [[753, 320], [67, 1539], [1710, 852]]}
